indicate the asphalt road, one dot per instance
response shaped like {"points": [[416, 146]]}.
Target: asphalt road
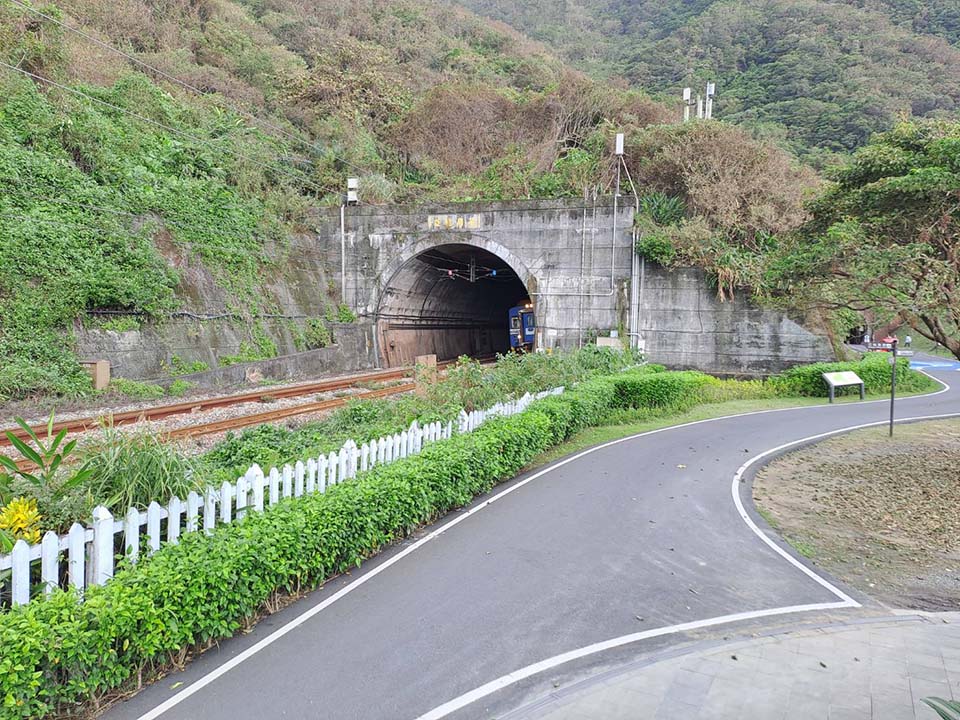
{"points": [[640, 535]]}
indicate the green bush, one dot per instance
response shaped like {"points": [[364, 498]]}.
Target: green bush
{"points": [[59, 651], [179, 366], [657, 247], [316, 335], [131, 469], [136, 389], [873, 369], [345, 314], [717, 390], [660, 390], [180, 387]]}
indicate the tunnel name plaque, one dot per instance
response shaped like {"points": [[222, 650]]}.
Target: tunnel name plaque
{"points": [[842, 379], [453, 222]]}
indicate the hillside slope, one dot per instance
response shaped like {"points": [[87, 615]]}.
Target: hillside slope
{"points": [[818, 75], [225, 121]]}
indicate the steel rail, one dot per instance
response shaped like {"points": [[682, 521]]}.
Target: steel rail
{"points": [[193, 406], [281, 414]]}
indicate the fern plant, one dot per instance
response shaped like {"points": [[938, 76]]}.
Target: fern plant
{"points": [[663, 209]]}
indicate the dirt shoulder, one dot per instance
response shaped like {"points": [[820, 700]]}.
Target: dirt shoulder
{"points": [[881, 514]]}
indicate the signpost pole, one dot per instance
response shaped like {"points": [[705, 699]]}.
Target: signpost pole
{"points": [[893, 383]]}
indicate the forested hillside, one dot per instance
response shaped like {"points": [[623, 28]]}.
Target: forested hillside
{"points": [[219, 124], [819, 76]]}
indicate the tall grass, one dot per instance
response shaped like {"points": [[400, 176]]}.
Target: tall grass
{"points": [[132, 469]]}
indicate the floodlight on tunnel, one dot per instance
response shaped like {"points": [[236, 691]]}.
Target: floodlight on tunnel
{"points": [[493, 273]]}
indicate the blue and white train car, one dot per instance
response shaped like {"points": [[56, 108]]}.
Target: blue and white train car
{"points": [[523, 327]]}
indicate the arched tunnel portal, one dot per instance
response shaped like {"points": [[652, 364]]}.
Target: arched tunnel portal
{"points": [[448, 300]]}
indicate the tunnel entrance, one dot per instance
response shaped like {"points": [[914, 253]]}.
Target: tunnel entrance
{"points": [[450, 300]]}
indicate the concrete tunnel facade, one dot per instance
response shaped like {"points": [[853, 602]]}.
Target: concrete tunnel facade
{"points": [[449, 300]]}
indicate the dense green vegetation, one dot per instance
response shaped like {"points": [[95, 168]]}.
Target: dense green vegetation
{"points": [[715, 199], [96, 205], [113, 174], [58, 651], [877, 245], [883, 239], [818, 76], [121, 176], [123, 469]]}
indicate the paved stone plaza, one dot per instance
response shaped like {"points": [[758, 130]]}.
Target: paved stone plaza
{"points": [[876, 670]]}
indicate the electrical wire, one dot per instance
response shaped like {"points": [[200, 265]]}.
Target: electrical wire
{"points": [[176, 80]]}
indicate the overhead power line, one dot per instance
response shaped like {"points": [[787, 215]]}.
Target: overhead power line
{"points": [[178, 81], [142, 118]]}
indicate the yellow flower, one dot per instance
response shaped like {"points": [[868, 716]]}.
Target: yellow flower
{"points": [[21, 518]]}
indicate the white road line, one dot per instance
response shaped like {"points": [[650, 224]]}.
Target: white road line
{"points": [[845, 600], [735, 491], [306, 615], [550, 663]]}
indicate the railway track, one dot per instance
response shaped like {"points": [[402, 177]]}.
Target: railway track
{"points": [[219, 426], [283, 413], [212, 428], [194, 406]]}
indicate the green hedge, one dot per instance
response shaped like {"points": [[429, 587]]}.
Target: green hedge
{"points": [[660, 390], [58, 652], [873, 369]]}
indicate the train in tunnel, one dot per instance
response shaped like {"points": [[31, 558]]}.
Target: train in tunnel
{"points": [[523, 327], [454, 300]]}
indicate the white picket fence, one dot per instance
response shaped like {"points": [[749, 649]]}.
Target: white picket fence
{"points": [[90, 551]]}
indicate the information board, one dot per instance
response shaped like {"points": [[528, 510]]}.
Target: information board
{"points": [[838, 379], [842, 379]]}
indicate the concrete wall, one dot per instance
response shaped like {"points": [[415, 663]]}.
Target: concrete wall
{"points": [[297, 285], [684, 325], [572, 256], [145, 354]]}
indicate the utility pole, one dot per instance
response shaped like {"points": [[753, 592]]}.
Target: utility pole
{"points": [[893, 381], [350, 198], [711, 91]]}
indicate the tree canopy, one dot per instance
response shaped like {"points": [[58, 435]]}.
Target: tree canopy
{"points": [[885, 237]]}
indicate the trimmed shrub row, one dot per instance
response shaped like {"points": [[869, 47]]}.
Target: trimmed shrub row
{"points": [[59, 652], [873, 369]]}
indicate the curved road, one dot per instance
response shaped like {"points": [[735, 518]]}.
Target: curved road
{"points": [[620, 550]]}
